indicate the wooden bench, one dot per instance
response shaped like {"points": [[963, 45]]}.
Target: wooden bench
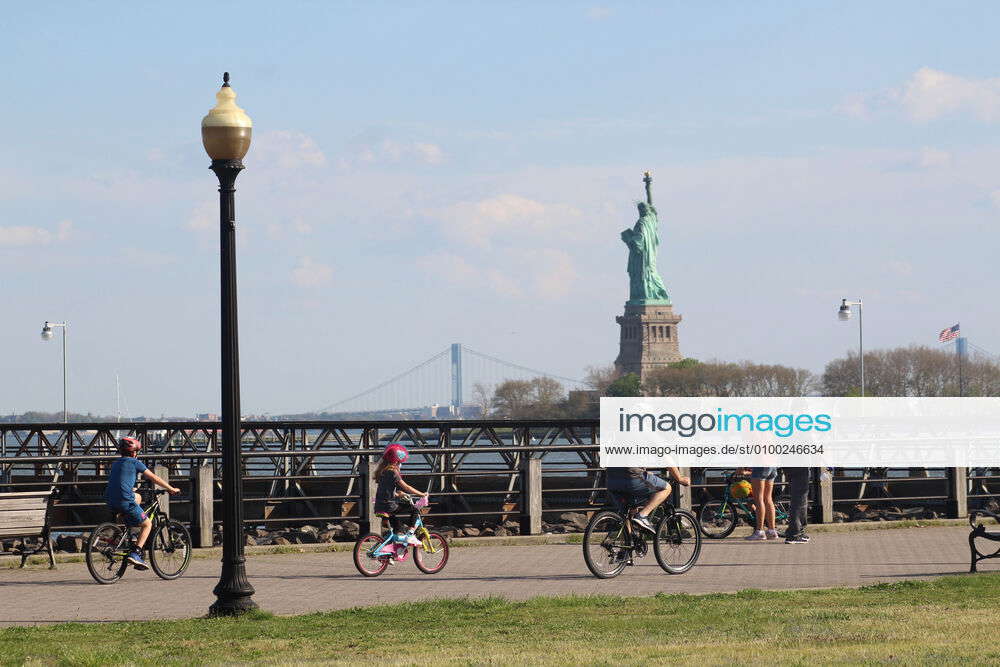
{"points": [[979, 531], [26, 514]]}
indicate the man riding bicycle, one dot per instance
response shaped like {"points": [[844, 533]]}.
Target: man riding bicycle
{"points": [[637, 485]]}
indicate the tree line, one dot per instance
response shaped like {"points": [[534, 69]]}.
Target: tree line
{"points": [[902, 371]]}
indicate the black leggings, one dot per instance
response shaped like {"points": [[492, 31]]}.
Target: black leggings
{"points": [[393, 512]]}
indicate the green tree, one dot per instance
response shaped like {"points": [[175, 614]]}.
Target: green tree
{"points": [[626, 385]]}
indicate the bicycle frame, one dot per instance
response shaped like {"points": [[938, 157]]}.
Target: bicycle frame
{"points": [[744, 508], [418, 529]]}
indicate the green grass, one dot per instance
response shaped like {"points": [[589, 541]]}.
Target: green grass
{"points": [[948, 621]]}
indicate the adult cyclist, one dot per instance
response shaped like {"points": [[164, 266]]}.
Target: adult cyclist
{"points": [[638, 485]]}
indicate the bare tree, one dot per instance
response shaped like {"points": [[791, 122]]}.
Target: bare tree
{"points": [[482, 397]]}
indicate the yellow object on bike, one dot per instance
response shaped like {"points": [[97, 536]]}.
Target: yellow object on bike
{"points": [[741, 489]]}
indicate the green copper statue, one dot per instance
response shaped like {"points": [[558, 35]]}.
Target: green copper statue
{"points": [[645, 284]]}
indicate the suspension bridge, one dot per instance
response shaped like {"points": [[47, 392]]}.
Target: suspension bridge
{"points": [[455, 381]]}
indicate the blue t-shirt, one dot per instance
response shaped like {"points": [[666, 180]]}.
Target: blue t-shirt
{"points": [[121, 481]]}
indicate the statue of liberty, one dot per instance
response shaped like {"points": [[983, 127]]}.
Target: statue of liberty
{"points": [[645, 283]]}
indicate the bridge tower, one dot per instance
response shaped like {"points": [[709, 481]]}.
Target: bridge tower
{"points": [[456, 378]]}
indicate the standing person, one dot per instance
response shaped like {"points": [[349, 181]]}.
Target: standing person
{"points": [[762, 482], [798, 489], [122, 498]]}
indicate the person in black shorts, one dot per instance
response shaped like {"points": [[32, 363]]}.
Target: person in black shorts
{"points": [[638, 485]]}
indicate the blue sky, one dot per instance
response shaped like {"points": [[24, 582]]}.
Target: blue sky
{"points": [[428, 173]]}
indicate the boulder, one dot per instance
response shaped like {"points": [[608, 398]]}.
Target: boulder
{"points": [[470, 531], [251, 541], [488, 532], [574, 519], [447, 532], [261, 532], [328, 535], [840, 517], [281, 540], [70, 543], [501, 532], [309, 529]]}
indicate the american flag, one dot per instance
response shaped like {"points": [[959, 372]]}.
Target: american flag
{"points": [[948, 334]]}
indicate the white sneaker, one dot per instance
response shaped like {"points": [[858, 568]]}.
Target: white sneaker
{"points": [[411, 540], [772, 535], [756, 536]]}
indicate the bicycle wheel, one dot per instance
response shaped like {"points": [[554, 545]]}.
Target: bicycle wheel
{"points": [[607, 546], [107, 549], [170, 550], [717, 519], [367, 564], [432, 555], [677, 544]]}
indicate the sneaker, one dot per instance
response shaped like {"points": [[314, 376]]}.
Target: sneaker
{"points": [[797, 539], [136, 559], [411, 540], [756, 536], [643, 522], [772, 534], [400, 538]]}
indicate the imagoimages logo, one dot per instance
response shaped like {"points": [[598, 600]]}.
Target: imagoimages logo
{"points": [[689, 424]]}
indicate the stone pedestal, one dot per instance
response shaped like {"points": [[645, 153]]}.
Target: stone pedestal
{"points": [[648, 338]]}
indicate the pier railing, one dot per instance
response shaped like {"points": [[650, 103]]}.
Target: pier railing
{"points": [[489, 471]]}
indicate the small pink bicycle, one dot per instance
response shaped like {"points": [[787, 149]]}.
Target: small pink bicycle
{"points": [[372, 552]]}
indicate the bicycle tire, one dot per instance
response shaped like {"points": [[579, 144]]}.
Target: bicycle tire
{"points": [[677, 532], [617, 555], [101, 558], [717, 522], [164, 548], [442, 548], [375, 566]]}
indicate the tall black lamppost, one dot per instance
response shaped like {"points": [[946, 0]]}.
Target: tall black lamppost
{"points": [[225, 132]]}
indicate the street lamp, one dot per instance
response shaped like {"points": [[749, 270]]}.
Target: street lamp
{"points": [[225, 133], [845, 314], [47, 335]]}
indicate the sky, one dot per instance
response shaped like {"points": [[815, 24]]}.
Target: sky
{"points": [[429, 173]]}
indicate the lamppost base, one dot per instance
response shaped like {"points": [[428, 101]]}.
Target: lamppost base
{"points": [[232, 606]]}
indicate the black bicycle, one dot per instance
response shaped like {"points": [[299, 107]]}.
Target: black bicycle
{"points": [[109, 545], [612, 542]]}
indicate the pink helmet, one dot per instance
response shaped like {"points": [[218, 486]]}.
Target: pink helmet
{"points": [[395, 453], [127, 446]]}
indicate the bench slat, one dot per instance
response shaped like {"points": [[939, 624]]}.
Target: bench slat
{"points": [[26, 494], [23, 518], [10, 504], [27, 531]]}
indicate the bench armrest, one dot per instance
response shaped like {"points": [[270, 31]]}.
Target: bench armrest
{"points": [[975, 514]]}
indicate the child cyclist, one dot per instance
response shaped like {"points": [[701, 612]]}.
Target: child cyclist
{"points": [[393, 494], [122, 498]]}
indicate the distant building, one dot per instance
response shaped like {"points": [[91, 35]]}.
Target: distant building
{"points": [[207, 417]]}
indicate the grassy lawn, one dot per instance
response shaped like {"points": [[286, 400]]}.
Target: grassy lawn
{"points": [[950, 620]]}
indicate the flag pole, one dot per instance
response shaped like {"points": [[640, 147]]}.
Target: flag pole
{"points": [[960, 347]]}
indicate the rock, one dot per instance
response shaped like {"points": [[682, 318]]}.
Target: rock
{"points": [[281, 540], [931, 514], [309, 529], [469, 531], [511, 524], [351, 526], [839, 517], [328, 536], [447, 532], [250, 541], [488, 532], [261, 532], [575, 519], [501, 532], [69, 543]]}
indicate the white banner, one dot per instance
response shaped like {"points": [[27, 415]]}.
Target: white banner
{"points": [[809, 431]]}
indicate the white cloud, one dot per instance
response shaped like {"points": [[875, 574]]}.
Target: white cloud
{"points": [[932, 157], [310, 273], [389, 151], [930, 94], [598, 13], [287, 149], [477, 223], [512, 273], [15, 236]]}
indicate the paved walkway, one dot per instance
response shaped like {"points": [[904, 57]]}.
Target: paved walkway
{"points": [[299, 583]]}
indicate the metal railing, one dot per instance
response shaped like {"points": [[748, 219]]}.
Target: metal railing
{"points": [[488, 470]]}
